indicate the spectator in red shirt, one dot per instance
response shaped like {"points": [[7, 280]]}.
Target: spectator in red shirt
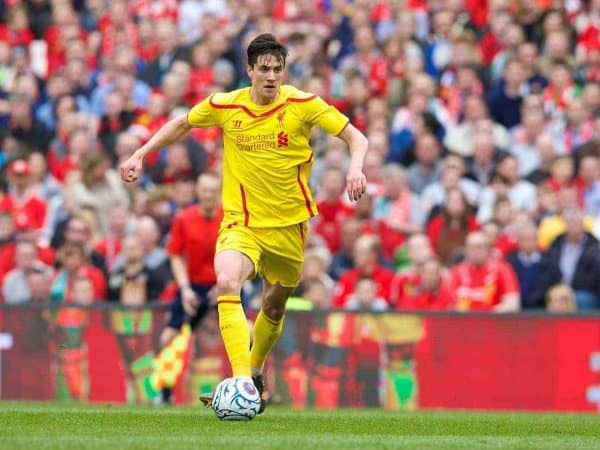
{"points": [[22, 202], [448, 229], [368, 60], [503, 225], [430, 290], [366, 254], [201, 76], [482, 282], [116, 21], [490, 45], [579, 127], [562, 176], [16, 30], [10, 235], [110, 245], [418, 251], [332, 209], [150, 120], [79, 141], [65, 28]]}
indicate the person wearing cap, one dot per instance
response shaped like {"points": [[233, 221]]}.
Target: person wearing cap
{"points": [[28, 209]]}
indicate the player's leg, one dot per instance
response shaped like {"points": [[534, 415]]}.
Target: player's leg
{"points": [[232, 268], [268, 324], [267, 329], [281, 267]]}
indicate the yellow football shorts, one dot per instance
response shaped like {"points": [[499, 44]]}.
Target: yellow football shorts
{"points": [[277, 253]]}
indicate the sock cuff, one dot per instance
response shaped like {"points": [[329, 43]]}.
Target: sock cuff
{"points": [[271, 321], [228, 299]]}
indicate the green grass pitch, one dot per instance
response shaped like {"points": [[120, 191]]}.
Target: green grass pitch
{"points": [[68, 426]]}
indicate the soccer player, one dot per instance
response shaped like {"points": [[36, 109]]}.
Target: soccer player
{"points": [[266, 198]]}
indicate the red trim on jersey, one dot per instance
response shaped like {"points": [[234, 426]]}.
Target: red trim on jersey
{"points": [[303, 189], [266, 113], [235, 302], [301, 232], [244, 206], [245, 109], [300, 100], [342, 130]]}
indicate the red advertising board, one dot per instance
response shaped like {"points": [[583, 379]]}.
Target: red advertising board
{"points": [[325, 360]]}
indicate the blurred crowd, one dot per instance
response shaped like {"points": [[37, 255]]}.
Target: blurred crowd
{"points": [[483, 119]]}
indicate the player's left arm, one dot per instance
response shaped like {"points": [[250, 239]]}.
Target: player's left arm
{"points": [[356, 182]]}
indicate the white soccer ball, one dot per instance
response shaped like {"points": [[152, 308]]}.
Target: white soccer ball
{"points": [[236, 398]]}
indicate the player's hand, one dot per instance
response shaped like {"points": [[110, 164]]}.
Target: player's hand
{"points": [[131, 168], [189, 301], [356, 183]]}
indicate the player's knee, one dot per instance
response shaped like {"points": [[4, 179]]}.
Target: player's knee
{"points": [[228, 285], [273, 306], [274, 312]]}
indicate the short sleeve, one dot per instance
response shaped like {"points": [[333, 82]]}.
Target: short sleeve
{"points": [[318, 112], [204, 114]]}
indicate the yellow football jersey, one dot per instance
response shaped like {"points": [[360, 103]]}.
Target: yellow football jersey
{"points": [[267, 157]]}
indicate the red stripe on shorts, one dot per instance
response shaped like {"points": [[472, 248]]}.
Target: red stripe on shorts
{"points": [[245, 206]]}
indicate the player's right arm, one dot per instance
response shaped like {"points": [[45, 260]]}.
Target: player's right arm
{"points": [[169, 133], [201, 115]]}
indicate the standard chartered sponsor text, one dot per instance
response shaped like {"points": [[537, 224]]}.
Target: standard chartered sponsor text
{"points": [[252, 142]]}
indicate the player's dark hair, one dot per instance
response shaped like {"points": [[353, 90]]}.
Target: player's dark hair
{"points": [[265, 44]]}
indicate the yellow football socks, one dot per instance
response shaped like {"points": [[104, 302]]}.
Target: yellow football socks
{"points": [[266, 333], [235, 333]]}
